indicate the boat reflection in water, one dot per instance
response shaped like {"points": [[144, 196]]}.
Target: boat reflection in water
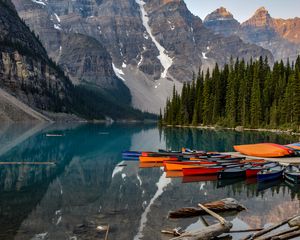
{"points": [[91, 186]]}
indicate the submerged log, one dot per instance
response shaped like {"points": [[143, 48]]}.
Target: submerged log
{"points": [[227, 204], [268, 229], [208, 232], [283, 232], [294, 222], [287, 236]]}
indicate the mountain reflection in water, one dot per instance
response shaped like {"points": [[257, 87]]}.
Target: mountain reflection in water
{"points": [[90, 185]]}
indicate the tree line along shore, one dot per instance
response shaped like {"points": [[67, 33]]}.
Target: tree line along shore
{"points": [[250, 94]]}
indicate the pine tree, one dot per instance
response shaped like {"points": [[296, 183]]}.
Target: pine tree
{"points": [[207, 100], [216, 95], [231, 98], [250, 94], [255, 99]]}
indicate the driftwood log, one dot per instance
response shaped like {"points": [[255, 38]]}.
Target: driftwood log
{"points": [[208, 232], [294, 222], [287, 235], [268, 229], [283, 232], [227, 204]]}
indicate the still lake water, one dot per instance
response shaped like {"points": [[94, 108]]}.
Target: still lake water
{"points": [[88, 187]]}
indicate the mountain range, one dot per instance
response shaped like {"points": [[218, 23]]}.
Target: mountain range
{"points": [[132, 52], [280, 36]]}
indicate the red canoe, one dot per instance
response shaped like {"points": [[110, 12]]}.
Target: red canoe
{"points": [[202, 171], [252, 172]]}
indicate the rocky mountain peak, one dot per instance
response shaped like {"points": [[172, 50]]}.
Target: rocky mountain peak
{"points": [[260, 18], [219, 15], [170, 1], [221, 21], [261, 10]]}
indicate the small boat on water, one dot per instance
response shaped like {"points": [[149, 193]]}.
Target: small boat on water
{"points": [[202, 170], [292, 173], [232, 159], [253, 171], [54, 135], [233, 172], [178, 166], [159, 159], [131, 153], [264, 150], [270, 174]]}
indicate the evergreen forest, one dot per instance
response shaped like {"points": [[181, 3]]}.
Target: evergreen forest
{"points": [[251, 94]]}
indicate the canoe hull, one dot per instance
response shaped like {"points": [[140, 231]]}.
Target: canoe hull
{"points": [[252, 172], [169, 166], [295, 178], [157, 159], [201, 171], [269, 176], [232, 174], [264, 150]]}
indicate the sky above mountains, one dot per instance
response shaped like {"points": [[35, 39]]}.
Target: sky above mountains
{"points": [[244, 9]]}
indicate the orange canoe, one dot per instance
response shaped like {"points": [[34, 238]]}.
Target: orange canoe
{"points": [[150, 165], [157, 159], [264, 150], [169, 166]]}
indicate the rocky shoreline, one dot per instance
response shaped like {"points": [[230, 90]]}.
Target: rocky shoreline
{"points": [[240, 129]]}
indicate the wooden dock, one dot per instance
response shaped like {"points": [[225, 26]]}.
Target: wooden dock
{"points": [[282, 160], [27, 163]]}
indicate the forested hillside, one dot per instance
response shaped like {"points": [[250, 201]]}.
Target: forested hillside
{"points": [[250, 94]]}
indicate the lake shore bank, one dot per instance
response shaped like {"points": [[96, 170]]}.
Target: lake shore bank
{"points": [[239, 129]]}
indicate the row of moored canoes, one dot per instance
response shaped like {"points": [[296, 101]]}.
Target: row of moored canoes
{"points": [[224, 166]]}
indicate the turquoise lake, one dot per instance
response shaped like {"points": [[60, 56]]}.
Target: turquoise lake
{"points": [[91, 186]]}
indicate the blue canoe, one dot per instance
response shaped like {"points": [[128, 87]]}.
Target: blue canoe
{"points": [[270, 174], [131, 153]]}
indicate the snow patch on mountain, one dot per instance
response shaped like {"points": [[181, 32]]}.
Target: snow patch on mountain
{"points": [[57, 17], [164, 59], [141, 61], [119, 72], [39, 2], [57, 27]]}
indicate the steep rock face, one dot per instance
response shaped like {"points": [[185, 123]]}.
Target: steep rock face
{"points": [[91, 67], [222, 22], [87, 62], [196, 44], [153, 44], [281, 37], [278, 35], [26, 72]]}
